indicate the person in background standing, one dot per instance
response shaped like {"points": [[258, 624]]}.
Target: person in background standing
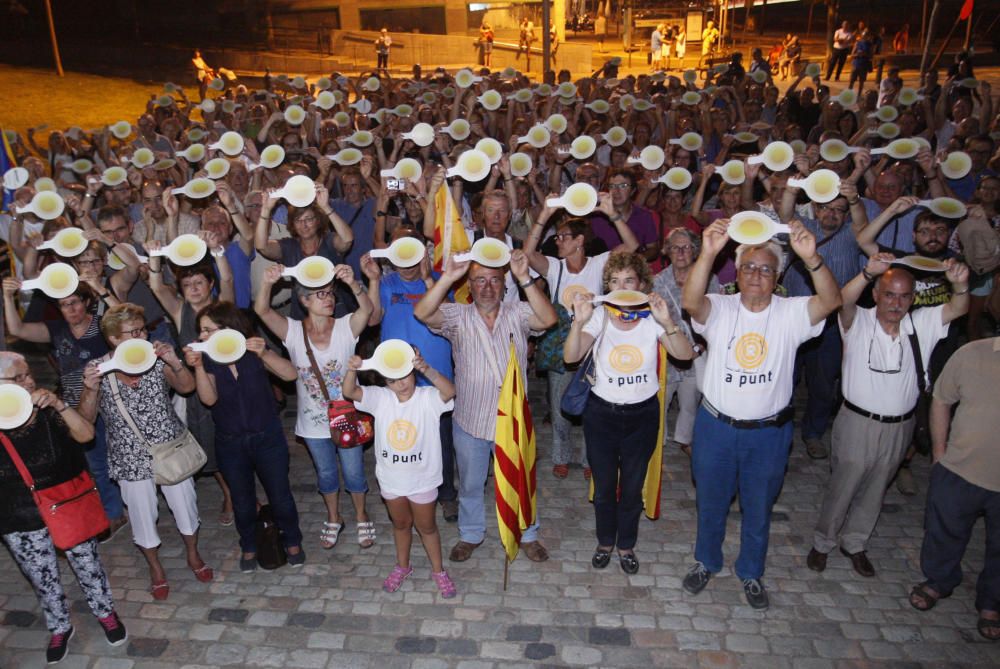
{"points": [[842, 40], [600, 30], [382, 45], [901, 41]]}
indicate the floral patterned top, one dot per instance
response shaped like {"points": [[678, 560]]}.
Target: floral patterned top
{"points": [[312, 421], [150, 407]]}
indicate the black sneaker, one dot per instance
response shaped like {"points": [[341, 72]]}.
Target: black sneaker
{"points": [[248, 565], [697, 578], [756, 594], [601, 558], [58, 646], [298, 559], [114, 630]]}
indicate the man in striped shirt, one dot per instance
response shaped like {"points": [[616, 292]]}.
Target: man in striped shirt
{"points": [[480, 335]]}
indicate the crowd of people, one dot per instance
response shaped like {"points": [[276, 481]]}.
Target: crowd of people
{"points": [[863, 292]]}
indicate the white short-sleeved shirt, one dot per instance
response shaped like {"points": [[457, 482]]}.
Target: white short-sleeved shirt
{"points": [[312, 420], [407, 438], [868, 347], [625, 360], [587, 280], [751, 356]]}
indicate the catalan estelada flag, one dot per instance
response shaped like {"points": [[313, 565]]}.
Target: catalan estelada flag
{"points": [[449, 237], [6, 162], [514, 460], [654, 471]]}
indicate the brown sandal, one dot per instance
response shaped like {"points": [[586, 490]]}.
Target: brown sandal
{"points": [[988, 628], [923, 598]]}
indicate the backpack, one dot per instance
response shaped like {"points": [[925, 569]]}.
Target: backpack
{"points": [[980, 244]]}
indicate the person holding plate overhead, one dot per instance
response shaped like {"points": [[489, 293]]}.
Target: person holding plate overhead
{"points": [[875, 423], [743, 430], [138, 413], [571, 273], [622, 419]]}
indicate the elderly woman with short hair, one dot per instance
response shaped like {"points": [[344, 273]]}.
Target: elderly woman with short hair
{"points": [[146, 399], [50, 444], [682, 247]]}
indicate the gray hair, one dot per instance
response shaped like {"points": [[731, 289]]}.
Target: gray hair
{"points": [[8, 359], [771, 246], [691, 237]]}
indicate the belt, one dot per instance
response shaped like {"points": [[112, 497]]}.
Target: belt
{"points": [[625, 406], [776, 420], [874, 416]]}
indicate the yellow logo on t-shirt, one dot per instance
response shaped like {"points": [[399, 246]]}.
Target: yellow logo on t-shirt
{"points": [[401, 435], [569, 293], [625, 358], [750, 350]]}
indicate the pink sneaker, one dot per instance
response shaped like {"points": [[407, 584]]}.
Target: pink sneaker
{"points": [[444, 584], [396, 578]]}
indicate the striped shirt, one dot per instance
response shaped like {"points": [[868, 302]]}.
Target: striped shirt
{"points": [[898, 232], [475, 349], [841, 254]]}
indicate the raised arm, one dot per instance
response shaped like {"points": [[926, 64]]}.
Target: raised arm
{"points": [[274, 321], [445, 388], [165, 295], [427, 310], [866, 236], [827, 297], [577, 341], [673, 339], [544, 314], [267, 247], [958, 275], [877, 265], [693, 297], [34, 332]]}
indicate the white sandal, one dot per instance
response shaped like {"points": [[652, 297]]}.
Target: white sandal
{"points": [[329, 534], [366, 534]]}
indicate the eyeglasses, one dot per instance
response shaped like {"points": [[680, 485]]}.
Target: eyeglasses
{"points": [[96, 261], [17, 378], [837, 210], [624, 186], [321, 294], [749, 268], [895, 352], [209, 330], [134, 334], [681, 248], [560, 236], [481, 281], [72, 302]]}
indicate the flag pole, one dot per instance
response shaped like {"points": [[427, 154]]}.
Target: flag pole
{"points": [[506, 570]]}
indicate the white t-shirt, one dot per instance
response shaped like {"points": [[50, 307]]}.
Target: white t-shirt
{"points": [[751, 356], [407, 438], [312, 420], [625, 359], [587, 280], [868, 347]]}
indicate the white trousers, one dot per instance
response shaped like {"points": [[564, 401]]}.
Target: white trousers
{"points": [[143, 508]]}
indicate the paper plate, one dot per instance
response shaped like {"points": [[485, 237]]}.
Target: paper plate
{"points": [[68, 243], [556, 123], [753, 227], [623, 298], [921, 263], [312, 272], [194, 153], [347, 157], [15, 406], [217, 168], [488, 252], [113, 176], [458, 129], [945, 207], [492, 148], [132, 356], [521, 164], [733, 172], [57, 280], [615, 136], [81, 166], [393, 359], [472, 165], [121, 129], [15, 178], [583, 147], [143, 158], [579, 199], [599, 106], [900, 149], [689, 141], [225, 346], [404, 252], [956, 165], [821, 186], [676, 178]]}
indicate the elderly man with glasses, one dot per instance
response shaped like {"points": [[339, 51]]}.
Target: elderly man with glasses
{"points": [[818, 360], [876, 421], [743, 429]]}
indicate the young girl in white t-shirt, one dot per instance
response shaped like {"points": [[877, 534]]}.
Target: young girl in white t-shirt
{"points": [[408, 459]]}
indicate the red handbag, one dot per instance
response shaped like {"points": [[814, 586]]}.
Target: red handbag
{"points": [[72, 511]]}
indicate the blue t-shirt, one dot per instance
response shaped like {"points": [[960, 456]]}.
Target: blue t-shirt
{"points": [[239, 262], [398, 297], [362, 224]]}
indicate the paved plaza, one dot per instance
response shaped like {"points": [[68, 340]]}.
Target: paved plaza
{"points": [[563, 613]]}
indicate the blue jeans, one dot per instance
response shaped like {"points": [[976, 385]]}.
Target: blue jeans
{"points": [[473, 458], [620, 440], [447, 491], [265, 454], [953, 507], [819, 361], [97, 460], [724, 460], [325, 457]]}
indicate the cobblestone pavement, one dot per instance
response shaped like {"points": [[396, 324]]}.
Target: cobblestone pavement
{"points": [[563, 613]]}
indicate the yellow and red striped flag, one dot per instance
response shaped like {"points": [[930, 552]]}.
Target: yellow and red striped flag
{"points": [[514, 459], [449, 237], [654, 471]]}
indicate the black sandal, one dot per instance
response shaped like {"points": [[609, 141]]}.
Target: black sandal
{"points": [[989, 625], [923, 592]]}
